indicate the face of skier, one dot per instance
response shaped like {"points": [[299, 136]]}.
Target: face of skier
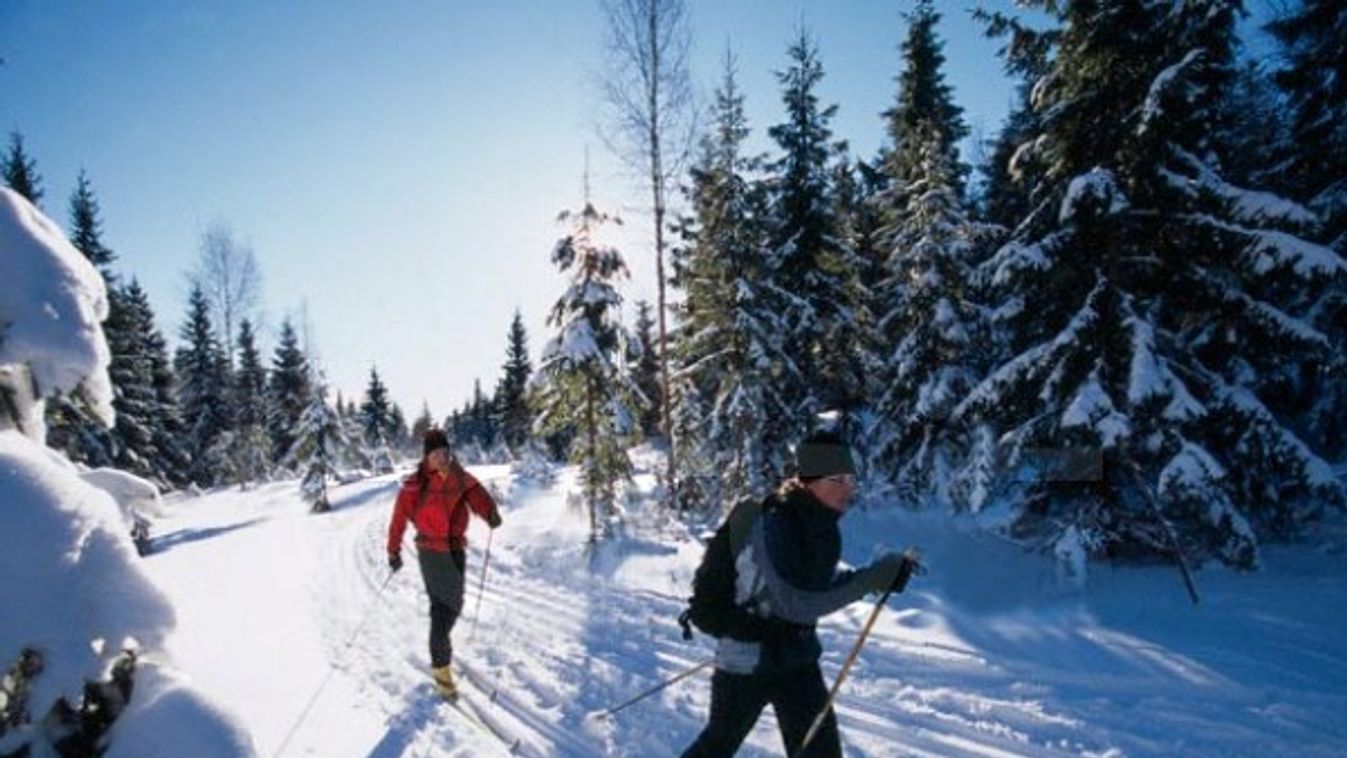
{"points": [[834, 491], [438, 460]]}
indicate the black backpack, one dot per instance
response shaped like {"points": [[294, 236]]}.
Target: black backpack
{"points": [[711, 608]]}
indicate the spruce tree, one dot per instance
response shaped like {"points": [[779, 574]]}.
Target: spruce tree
{"points": [[1147, 301], [734, 417], [252, 446], [204, 396], [317, 449], [814, 270], [168, 431], [398, 433], [71, 426], [20, 171], [929, 326], [421, 425], [583, 386], [516, 419], [86, 227], [130, 371], [1313, 77], [376, 424], [288, 392], [644, 366]]}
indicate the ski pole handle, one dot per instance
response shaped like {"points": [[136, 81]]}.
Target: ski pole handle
{"points": [[911, 565]]}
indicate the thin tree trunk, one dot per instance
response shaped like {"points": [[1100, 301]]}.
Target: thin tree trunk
{"points": [[591, 483], [657, 191]]}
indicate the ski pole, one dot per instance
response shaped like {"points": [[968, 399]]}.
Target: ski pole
{"points": [[614, 710], [368, 614], [481, 586], [899, 583]]}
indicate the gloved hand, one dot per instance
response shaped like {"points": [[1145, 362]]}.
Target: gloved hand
{"points": [[881, 573], [395, 561], [493, 520], [890, 571]]}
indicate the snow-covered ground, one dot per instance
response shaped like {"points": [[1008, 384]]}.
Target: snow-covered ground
{"points": [[281, 619]]}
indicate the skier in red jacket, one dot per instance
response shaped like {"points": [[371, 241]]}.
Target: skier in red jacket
{"points": [[436, 499]]}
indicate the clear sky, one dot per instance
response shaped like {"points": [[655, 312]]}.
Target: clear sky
{"points": [[397, 167]]}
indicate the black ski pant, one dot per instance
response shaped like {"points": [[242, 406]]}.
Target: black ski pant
{"points": [[797, 695], [443, 574]]}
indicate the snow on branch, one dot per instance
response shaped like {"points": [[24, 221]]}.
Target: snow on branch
{"points": [[52, 304]]}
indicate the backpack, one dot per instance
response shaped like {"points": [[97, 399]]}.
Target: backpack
{"points": [[711, 608]]}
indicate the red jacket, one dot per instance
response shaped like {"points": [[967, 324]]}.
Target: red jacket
{"points": [[439, 510]]}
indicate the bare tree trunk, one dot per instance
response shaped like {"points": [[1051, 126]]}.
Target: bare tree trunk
{"points": [[657, 195], [591, 485], [227, 272], [648, 90]]}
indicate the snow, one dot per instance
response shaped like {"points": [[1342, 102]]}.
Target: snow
{"points": [[992, 652], [52, 301], [73, 589]]}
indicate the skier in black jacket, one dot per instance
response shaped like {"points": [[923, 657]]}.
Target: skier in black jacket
{"points": [[787, 575]]}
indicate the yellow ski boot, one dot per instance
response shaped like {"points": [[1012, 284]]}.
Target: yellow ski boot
{"points": [[444, 682]]}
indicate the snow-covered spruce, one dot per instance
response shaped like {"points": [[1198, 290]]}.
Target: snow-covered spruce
{"points": [[1152, 307]]}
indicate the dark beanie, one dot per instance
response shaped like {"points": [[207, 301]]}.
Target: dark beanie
{"points": [[433, 439], [823, 454]]}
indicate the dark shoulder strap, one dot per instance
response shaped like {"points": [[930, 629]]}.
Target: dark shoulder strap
{"points": [[741, 520]]}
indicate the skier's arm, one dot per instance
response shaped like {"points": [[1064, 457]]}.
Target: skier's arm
{"points": [[480, 500], [402, 511], [796, 604]]}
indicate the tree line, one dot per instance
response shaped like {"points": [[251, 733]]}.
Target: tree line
{"points": [[1129, 336]]}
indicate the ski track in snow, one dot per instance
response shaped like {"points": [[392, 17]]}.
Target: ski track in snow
{"points": [[564, 632]]}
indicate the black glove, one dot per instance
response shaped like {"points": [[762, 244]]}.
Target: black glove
{"points": [[884, 572], [395, 561], [493, 520]]}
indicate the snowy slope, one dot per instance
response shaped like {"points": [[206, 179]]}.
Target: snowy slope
{"points": [[281, 619]]}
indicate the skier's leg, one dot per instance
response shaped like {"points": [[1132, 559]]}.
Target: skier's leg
{"points": [[736, 702], [797, 698]]}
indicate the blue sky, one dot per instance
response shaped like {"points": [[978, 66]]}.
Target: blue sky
{"points": [[396, 167]]}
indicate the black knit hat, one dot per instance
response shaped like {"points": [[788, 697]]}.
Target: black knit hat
{"points": [[823, 454], [433, 439]]}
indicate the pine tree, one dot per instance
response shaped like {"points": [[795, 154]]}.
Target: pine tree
{"points": [[398, 433], [168, 431], [20, 171], [148, 433], [582, 383], [1013, 176], [643, 360], [86, 228], [376, 424], [251, 454], [733, 418], [1315, 171], [929, 325], [814, 270], [1314, 78], [1148, 302], [204, 396], [133, 394], [516, 419], [72, 427], [317, 449], [288, 392], [421, 425]]}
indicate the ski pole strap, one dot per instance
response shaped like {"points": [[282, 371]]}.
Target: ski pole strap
{"points": [[685, 621]]}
